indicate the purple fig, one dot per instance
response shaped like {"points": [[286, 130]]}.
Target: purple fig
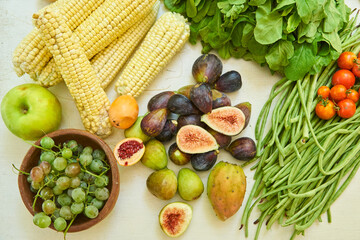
{"points": [[245, 107], [219, 99], [153, 123], [160, 100], [190, 120], [207, 68], [201, 96], [168, 131], [181, 105], [229, 82], [243, 148]]}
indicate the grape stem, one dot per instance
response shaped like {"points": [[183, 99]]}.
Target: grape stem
{"points": [[67, 228], [25, 173]]}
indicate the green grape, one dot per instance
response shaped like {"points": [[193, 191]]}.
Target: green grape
{"points": [[96, 165], [69, 192], [42, 220], [102, 193], [89, 198], [91, 211], [63, 182], [46, 167], [87, 149], [28, 179], [57, 190], [102, 181], [77, 208], [37, 174], [47, 157], [48, 207], [83, 185], [65, 212], [73, 145], [97, 203], [85, 159], [99, 154], [56, 214], [64, 199], [78, 194], [59, 163], [50, 181], [33, 190], [73, 169], [47, 142], [79, 149], [66, 153], [92, 189], [75, 182], [46, 193], [36, 185], [81, 175], [60, 224], [88, 178]]}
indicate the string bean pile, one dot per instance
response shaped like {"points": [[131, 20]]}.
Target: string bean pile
{"points": [[305, 163]]}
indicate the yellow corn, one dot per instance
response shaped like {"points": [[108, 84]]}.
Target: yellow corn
{"points": [[109, 61], [79, 76], [163, 41], [31, 55], [102, 27]]}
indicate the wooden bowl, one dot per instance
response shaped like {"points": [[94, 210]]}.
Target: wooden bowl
{"points": [[86, 139]]}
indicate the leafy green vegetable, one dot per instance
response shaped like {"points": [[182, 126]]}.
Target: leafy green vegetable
{"points": [[292, 37]]}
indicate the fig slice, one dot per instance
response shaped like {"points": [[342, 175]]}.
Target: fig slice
{"points": [[174, 218], [229, 121], [194, 139], [129, 151]]}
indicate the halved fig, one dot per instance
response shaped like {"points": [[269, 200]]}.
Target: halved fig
{"points": [[129, 151], [229, 121], [174, 218], [194, 139]]}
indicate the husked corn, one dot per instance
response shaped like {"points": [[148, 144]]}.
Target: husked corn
{"points": [[102, 27], [79, 76], [163, 41], [31, 55]]}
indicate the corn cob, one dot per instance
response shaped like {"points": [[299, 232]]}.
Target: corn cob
{"points": [[109, 61], [31, 55], [103, 26], [79, 76], [163, 41]]}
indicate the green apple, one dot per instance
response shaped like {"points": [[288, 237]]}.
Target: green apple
{"points": [[30, 111]]}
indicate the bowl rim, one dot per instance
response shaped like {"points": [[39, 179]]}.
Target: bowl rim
{"points": [[115, 177]]}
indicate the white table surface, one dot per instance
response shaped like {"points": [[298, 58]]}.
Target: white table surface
{"points": [[135, 215]]}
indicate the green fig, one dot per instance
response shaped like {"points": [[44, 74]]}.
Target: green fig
{"points": [[190, 186], [162, 184], [135, 131], [155, 155]]}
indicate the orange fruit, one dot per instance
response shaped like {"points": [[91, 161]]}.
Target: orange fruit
{"points": [[123, 111]]}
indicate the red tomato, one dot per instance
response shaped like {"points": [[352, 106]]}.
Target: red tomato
{"points": [[323, 92], [347, 108], [352, 95], [346, 60], [338, 93], [343, 77], [356, 69], [325, 109]]}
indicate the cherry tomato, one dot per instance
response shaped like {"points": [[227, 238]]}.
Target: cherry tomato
{"points": [[325, 109], [323, 92], [356, 69], [346, 60], [338, 93], [343, 77], [352, 95], [347, 108]]}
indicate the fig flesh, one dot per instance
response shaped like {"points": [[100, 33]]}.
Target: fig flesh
{"points": [[219, 99], [221, 139], [185, 90], [129, 151], [190, 119], [229, 121], [160, 100], [181, 105], [207, 68], [155, 155], [204, 161], [162, 184], [177, 156], [153, 123], [229, 82], [201, 96], [194, 139], [135, 131], [245, 107], [174, 218], [190, 186], [168, 131], [243, 148]]}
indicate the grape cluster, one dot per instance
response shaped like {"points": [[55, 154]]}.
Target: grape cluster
{"points": [[71, 180]]}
